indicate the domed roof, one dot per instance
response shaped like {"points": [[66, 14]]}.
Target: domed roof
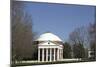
{"points": [[48, 36]]}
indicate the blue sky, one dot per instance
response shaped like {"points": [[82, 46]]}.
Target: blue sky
{"points": [[59, 19]]}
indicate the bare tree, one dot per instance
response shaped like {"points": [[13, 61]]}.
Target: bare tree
{"points": [[78, 39], [92, 35], [22, 35], [92, 39], [67, 50], [79, 51], [79, 35]]}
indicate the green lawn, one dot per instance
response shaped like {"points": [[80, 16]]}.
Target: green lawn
{"points": [[45, 63]]}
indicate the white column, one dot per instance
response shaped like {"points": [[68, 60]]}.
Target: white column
{"points": [[42, 54], [38, 54], [47, 54], [57, 54], [62, 53], [50, 54], [54, 54]]}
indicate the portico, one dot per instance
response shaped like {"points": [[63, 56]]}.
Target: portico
{"points": [[53, 53]]}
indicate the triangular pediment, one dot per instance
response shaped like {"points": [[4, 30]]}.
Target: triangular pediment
{"points": [[47, 43]]}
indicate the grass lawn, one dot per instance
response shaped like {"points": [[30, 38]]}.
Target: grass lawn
{"points": [[45, 63]]}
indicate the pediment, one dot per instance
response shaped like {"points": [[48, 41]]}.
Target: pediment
{"points": [[47, 43]]}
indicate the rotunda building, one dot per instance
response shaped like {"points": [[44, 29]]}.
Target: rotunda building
{"points": [[50, 47]]}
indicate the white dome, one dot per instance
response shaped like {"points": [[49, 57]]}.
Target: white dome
{"points": [[48, 36]]}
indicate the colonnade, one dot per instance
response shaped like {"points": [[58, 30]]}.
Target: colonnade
{"points": [[50, 54]]}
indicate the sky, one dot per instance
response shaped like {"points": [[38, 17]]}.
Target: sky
{"points": [[59, 19]]}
